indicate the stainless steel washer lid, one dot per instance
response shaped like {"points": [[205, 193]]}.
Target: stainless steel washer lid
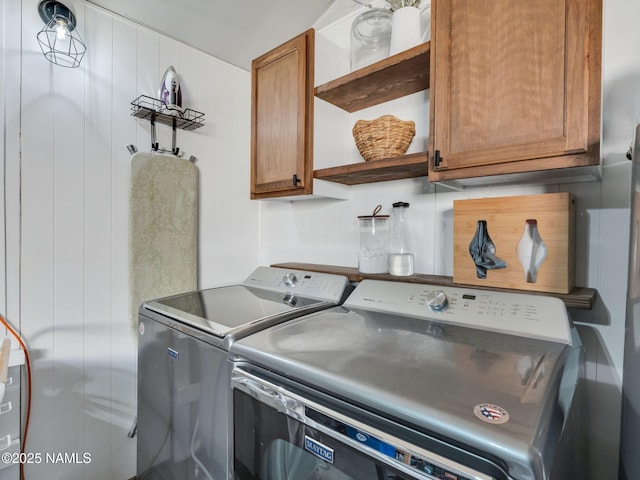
{"points": [[488, 391], [267, 295]]}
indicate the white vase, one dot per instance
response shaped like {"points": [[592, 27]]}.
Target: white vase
{"points": [[405, 29]]}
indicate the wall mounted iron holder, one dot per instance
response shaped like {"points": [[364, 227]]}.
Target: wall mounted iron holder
{"points": [[154, 110]]}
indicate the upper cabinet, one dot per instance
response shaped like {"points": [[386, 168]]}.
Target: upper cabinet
{"points": [[514, 90], [515, 87], [282, 119]]}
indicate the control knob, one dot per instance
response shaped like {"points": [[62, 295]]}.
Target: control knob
{"points": [[290, 300], [437, 300], [290, 279]]}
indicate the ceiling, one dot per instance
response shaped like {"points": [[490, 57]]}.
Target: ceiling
{"points": [[233, 31]]}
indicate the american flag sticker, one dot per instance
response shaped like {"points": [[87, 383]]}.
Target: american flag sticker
{"points": [[490, 413]]}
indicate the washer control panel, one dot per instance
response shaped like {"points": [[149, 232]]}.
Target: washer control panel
{"points": [[322, 286], [512, 313]]}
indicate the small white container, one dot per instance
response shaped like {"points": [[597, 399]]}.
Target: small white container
{"points": [[405, 29]]}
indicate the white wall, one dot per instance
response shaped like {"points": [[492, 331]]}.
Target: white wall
{"points": [[326, 231], [66, 192]]}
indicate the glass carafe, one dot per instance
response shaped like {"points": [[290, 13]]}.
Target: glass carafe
{"points": [[400, 251]]}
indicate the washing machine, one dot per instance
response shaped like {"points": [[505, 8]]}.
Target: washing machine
{"points": [[407, 381], [183, 372]]}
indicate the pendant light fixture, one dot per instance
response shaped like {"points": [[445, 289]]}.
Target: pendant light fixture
{"points": [[59, 40]]}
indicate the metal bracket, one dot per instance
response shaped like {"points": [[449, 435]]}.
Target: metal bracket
{"points": [[154, 144]]}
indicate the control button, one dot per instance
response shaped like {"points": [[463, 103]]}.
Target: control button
{"points": [[437, 300], [289, 279], [290, 300]]}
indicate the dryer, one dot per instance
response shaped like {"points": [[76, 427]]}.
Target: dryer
{"points": [[183, 372], [407, 381]]}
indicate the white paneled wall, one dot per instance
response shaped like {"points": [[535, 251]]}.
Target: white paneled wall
{"points": [[10, 188], [67, 217], [3, 229]]}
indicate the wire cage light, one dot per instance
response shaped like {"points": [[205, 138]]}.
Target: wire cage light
{"points": [[59, 40]]}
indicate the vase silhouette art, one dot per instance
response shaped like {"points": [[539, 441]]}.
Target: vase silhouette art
{"points": [[531, 251]]}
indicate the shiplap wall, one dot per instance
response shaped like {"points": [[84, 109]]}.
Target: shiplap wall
{"points": [[10, 187], [67, 193], [3, 225]]}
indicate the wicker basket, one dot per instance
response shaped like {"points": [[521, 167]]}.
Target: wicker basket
{"points": [[384, 137]]}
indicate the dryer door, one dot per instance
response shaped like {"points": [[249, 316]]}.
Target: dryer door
{"points": [[279, 435]]}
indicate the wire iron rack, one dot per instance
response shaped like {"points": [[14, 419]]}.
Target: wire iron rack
{"points": [[156, 111]]}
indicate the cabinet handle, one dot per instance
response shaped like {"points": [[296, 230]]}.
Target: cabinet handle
{"points": [[296, 180], [437, 159]]}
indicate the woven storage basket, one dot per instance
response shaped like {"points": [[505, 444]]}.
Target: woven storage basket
{"points": [[383, 137]]}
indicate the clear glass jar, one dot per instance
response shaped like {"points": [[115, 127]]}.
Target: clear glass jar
{"points": [[370, 37], [400, 252], [374, 242]]}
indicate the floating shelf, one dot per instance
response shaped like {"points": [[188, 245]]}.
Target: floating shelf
{"points": [[393, 77], [155, 110], [396, 168], [581, 298]]}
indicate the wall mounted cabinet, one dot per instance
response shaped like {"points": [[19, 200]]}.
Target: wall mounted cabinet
{"points": [[515, 87], [518, 103], [282, 119]]}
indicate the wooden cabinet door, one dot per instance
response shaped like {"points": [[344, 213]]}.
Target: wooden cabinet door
{"points": [[282, 119], [515, 86]]}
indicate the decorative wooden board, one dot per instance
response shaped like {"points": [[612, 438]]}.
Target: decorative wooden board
{"points": [[506, 218]]}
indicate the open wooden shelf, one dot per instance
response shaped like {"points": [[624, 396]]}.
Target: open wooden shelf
{"points": [[581, 298], [396, 168], [393, 77]]}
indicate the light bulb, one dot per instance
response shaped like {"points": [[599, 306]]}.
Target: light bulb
{"points": [[61, 29]]}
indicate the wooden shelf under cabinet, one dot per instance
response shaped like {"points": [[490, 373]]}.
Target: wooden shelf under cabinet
{"points": [[393, 77], [396, 168], [580, 297]]}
